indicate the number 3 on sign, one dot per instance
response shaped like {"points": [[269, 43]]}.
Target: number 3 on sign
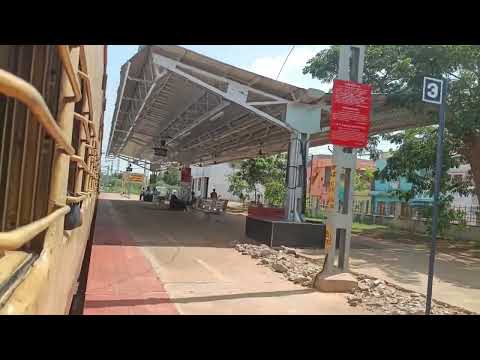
{"points": [[432, 90]]}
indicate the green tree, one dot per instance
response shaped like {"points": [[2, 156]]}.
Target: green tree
{"points": [[172, 176], [251, 171], [275, 192], [415, 160], [363, 180], [398, 70], [153, 179], [268, 171], [238, 186]]}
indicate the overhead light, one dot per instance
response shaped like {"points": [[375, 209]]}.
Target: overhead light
{"points": [[160, 151], [217, 116]]}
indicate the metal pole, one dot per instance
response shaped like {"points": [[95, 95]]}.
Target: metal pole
{"points": [[438, 176]]}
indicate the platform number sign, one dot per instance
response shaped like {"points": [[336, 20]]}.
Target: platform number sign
{"points": [[432, 90]]}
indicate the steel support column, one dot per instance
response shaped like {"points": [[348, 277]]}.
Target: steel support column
{"points": [[297, 153]]}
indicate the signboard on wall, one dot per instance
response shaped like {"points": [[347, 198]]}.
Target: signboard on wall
{"points": [[331, 189], [328, 236], [186, 175], [136, 178], [350, 119]]}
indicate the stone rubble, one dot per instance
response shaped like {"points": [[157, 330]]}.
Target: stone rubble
{"points": [[371, 294], [284, 261]]}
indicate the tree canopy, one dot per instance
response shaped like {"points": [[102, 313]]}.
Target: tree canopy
{"points": [[172, 176], [397, 71], [363, 180], [269, 171]]}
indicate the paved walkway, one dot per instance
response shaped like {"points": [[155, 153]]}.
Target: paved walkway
{"points": [[147, 260], [121, 281]]}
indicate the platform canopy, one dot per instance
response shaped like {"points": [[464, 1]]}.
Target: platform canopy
{"points": [[206, 111]]}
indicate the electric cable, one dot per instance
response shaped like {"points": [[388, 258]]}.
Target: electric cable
{"points": [[285, 62]]}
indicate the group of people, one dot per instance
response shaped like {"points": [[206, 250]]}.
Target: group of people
{"points": [[174, 203], [213, 195], [147, 194]]}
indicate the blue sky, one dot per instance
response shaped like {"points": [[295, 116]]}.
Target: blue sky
{"points": [[262, 59]]}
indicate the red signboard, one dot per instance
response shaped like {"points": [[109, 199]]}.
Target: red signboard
{"points": [[350, 119], [186, 175]]}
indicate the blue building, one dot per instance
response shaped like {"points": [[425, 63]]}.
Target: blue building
{"points": [[384, 202]]}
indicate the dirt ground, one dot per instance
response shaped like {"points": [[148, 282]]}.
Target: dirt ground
{"points": [[457, 275]]}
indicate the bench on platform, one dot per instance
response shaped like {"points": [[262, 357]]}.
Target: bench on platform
{"points": [[212, 206]]}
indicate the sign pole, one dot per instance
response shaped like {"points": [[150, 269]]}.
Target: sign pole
{"points": [[438, 176]]}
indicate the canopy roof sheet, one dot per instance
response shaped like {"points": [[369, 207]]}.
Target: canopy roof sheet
{"points": [[206, 111]]}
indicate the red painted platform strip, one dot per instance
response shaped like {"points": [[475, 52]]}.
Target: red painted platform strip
{"points": [[263, 213], [121, 280]]}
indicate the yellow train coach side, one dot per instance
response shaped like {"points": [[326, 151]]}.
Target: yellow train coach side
{"points": [[52, 102]]}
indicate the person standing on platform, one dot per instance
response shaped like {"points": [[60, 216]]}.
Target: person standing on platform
{"points": [[214, 195]]}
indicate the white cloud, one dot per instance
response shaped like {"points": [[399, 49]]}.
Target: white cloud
{"points": [[292, 72]]}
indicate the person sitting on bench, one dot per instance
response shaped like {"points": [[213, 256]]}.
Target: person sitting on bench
{"points": [[176, 203]]}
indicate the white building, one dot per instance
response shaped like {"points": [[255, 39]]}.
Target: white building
{"points": [[461, 173], [207, 178]]}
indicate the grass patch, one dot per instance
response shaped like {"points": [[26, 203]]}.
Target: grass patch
{"points": [[358, 228], [315, 220], [387, 233]]}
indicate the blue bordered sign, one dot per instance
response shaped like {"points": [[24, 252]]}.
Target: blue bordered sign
{"points": [[432, 90]]}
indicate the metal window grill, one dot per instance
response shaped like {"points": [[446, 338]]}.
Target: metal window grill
{"points": [[29, 134]]}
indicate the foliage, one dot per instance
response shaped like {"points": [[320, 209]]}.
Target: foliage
{"points": [[172, 176], [415, 160], [311, 215], [238, 185], [397, 71], [269, 171], [446, 216], [275, 192], [363, 180], [112, 184], [153, 179]]}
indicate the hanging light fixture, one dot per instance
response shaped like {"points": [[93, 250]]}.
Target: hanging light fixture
{"points": [[161, 150]]}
